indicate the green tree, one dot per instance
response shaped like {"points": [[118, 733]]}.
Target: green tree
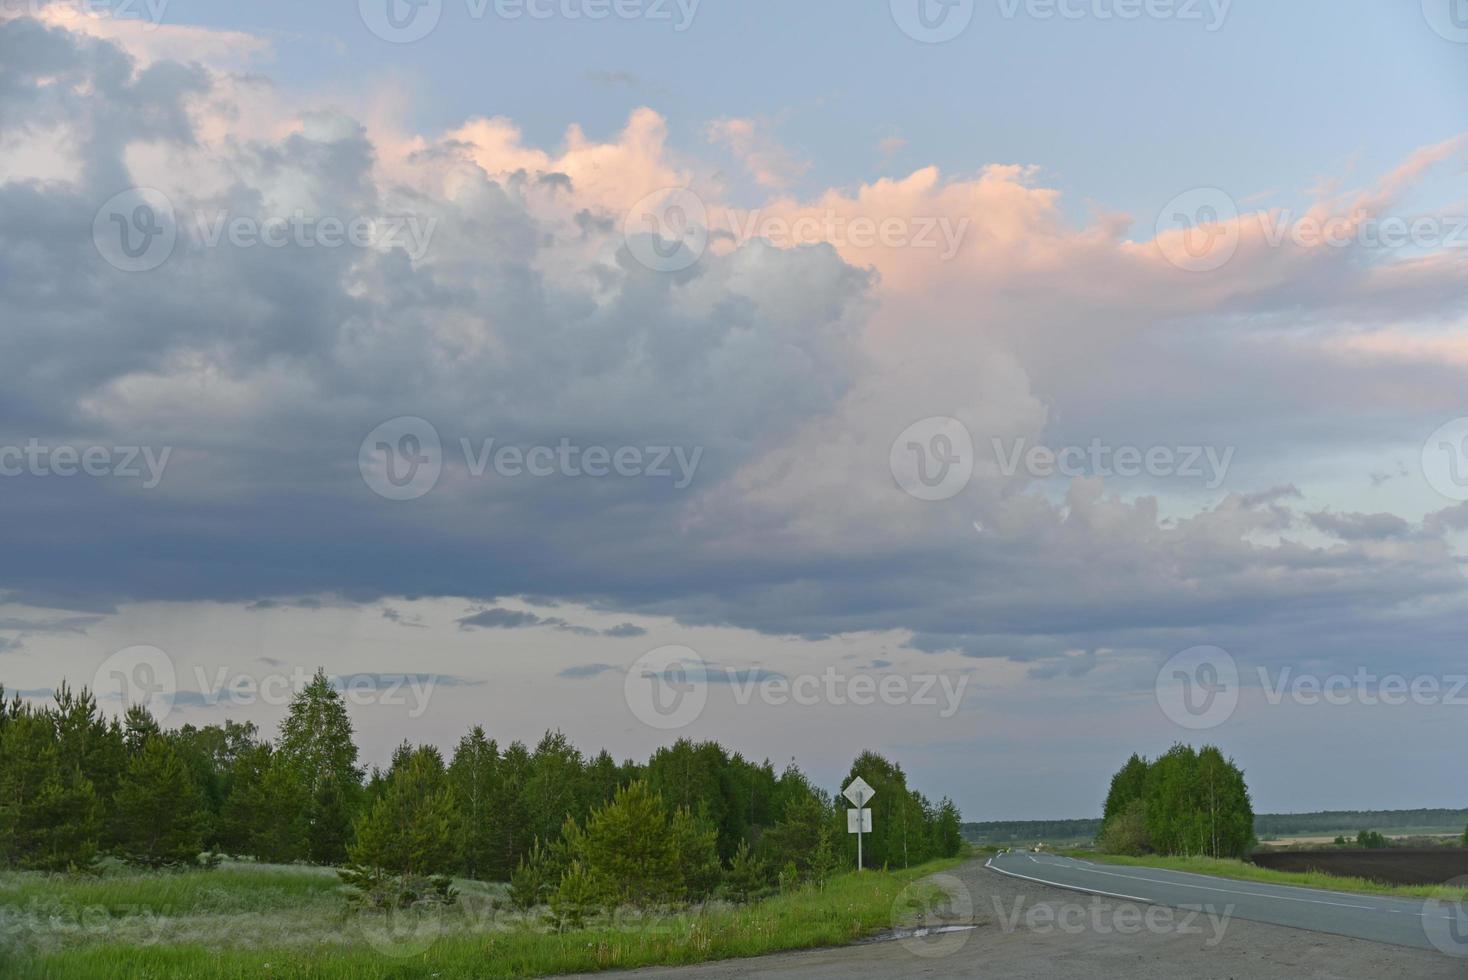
{"points": [[1126, 831], [796, 837], [264, 815], [1371, 838], [575, 899], [407, 843], [1129, 783], [553, 789], [479, 792], [413, 828], [949, 829], [157, 812], [695, 856], [316, 740], [747, 876], [628, 849]]}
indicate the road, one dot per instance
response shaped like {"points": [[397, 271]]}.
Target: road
{"points": [[1401, 922], [1028, 930]]}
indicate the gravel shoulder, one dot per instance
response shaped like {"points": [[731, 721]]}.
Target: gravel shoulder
{"points": [[1029, 930]]}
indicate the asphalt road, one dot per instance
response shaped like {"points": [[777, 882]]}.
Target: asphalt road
{"points": [[1401, 922], [1027, 930]]}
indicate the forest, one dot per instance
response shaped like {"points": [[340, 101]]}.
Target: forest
{"points": [[562, 827]]}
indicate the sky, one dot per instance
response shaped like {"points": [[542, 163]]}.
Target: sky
{"points": [[1005, 386]]}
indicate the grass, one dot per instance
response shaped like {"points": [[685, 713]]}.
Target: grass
{"points": [[291, 922], [1244, 871]]}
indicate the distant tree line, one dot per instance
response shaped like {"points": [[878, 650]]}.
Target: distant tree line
{"points": [[1333, 821], [1266, 825], [1185, 802], [574, 831], [1011, 831]]}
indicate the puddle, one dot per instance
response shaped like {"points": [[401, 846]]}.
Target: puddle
{"points": [[918, 932]]}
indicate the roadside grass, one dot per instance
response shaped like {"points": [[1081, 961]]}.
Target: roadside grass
{"points": [[472, 939], [1244, 871], [233, 887]]}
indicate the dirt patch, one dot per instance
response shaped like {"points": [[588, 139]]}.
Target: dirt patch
{"points": [[1392, 866]]}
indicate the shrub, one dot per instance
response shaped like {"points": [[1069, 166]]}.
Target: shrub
{"points": [[1126, 832], [575, 900]]}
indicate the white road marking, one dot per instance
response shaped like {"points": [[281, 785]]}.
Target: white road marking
{"points": [[1075, 888]]}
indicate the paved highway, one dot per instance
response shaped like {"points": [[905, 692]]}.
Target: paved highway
{"points": [[1028, 930], [1401, 922]]}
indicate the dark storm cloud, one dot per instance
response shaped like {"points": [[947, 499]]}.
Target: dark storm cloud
{"points": [[264, 369]]}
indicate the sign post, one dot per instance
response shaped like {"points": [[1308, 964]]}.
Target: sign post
{"points": [[859, 821]]}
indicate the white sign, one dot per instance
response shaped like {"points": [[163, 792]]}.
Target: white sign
{"points": [[859, 792], [859, 821]]}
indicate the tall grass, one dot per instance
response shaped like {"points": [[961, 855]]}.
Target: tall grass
{"points": [[321, 940]]}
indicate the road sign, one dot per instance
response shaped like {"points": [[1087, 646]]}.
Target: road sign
{"points": [[859, 821], [859, 792]]}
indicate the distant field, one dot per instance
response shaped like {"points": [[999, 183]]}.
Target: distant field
{"points": [[245, 920], [1392, 865]]}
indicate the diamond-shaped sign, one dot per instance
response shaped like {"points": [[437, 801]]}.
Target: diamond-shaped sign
{"points": [[859, 792]]}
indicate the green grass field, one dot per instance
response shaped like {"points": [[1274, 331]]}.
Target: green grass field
{"points": [[244, 920], [1244, 871]]}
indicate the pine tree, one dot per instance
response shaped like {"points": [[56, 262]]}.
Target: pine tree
{"points": [[27, 762], [157, 812], [264, 815], [628, 850], [412, 830], [575, 899], [747, 876], [695, 856]]}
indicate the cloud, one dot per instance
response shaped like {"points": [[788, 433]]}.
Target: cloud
{"points": [[588, 670], [1360, 527], [502, 619], [499, 618], [752, 141], [528, 320]]}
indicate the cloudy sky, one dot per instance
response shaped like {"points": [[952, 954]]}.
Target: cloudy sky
{"points": [[1006, 385]]}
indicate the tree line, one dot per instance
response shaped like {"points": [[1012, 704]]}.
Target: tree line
{"points": [[1331, 821], [562, 827], [1185, 802]]}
